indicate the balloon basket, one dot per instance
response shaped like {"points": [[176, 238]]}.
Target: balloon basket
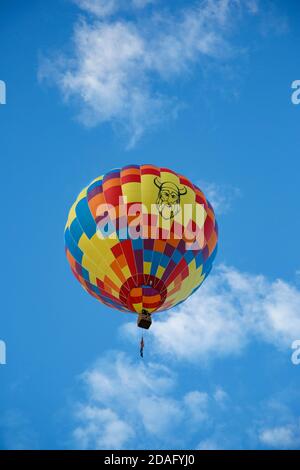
{"points": [[144, 320]]}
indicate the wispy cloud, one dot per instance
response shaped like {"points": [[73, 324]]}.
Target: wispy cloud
{"points": [[102, 429], [137, 404], [281, 437], [231, 309], [17, 432], [100, 8], [279, 425], [118, 66], [105, 8], [273, 22], [221, 396], [221, 196], [208, 444], [128, 399]]}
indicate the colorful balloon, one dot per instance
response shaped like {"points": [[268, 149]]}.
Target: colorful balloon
{"points": [[141, 239]]}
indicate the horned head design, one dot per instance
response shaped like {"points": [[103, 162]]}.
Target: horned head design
{"points": [[168, 200]]}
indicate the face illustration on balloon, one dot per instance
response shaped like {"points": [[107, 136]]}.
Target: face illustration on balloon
{"points": [[168, 199]]}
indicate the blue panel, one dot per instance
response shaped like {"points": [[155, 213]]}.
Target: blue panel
{"points": [[95, 185], [76, 230], [85, 218], [85, 274], [177, 256], [111, 174], [164, 261], [72, 247], [137, 243], [130, 166], [148, 255], [189, 256], [155, 262], [199, 260], [106, 227]]}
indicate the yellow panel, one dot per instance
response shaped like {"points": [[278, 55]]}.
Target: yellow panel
{"points": [[103, 248], [126, 271], [138, 307], [88, 249], [87, 264], [192, 266], [100, 272], [71, 216], [81, 195], [100, 178], [107, 257], [194, 279], [147, 267], [160, 271], [132, 191], [187, 286], [72, 213], [150, 310], [149, 191], [98, 260], [93, 278]]}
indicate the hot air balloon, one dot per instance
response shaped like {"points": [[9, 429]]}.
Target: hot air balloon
{"points": [[141, 239]]}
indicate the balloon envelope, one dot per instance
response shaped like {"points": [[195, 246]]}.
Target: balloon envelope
{"points": [[141, 238]]}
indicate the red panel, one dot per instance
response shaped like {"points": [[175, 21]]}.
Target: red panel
{"points": [[129, 255], [112, 195], [180, 267], [131, 179], [186, 182], [149, 170]]}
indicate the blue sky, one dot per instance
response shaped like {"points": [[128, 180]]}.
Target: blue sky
{"points": [[204, 88]]}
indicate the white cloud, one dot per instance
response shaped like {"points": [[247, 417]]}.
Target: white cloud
{"points": [[104, 382], [208, 444], [102, 429], [220, 396], [277, 422], [220, 196], [105, 8], [281, 437], [136, 401], [117, 65], [252, 6], [197, 403], [137, 404], [160, 415], [273, 23], [142, 3], [17, 431], [231, 309], [99, 8], [128, 400]]}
